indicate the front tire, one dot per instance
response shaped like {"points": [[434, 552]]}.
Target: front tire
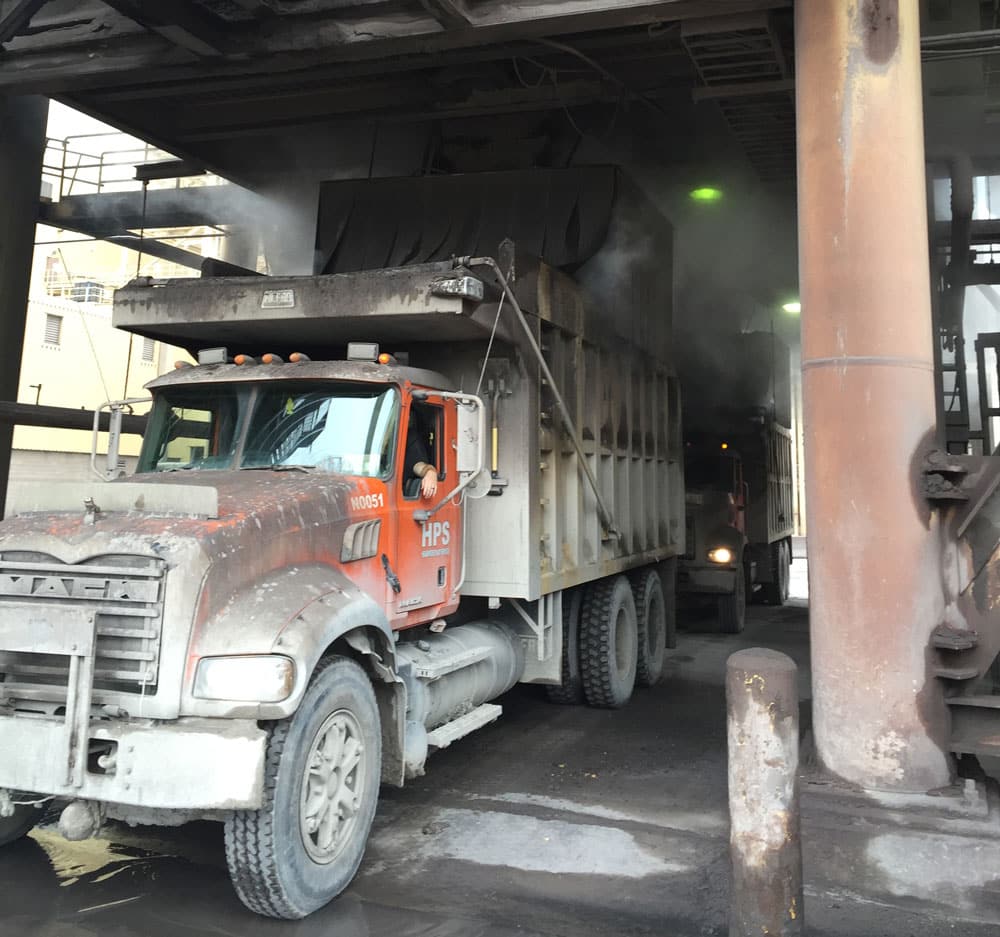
{"points": [[732, 608], [19, 825], [303, 846], [651, 618], [609, 643]]}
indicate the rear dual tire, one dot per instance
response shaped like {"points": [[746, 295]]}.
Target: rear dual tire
{"points": [[776, 592], [570, 690], [609, 643], [651, 621]]}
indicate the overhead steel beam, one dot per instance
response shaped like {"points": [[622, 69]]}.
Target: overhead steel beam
{"points": [[293, 43], [179, 21], [19, 18], [157, 248], [743, 89], [31, 414], [452, 14], [119, 212], [409, 110]]}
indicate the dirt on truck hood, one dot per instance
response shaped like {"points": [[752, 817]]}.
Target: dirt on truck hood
{"points": [[206, 506]]}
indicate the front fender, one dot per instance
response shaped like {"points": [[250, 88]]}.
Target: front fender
{"points": [[298, 612]]}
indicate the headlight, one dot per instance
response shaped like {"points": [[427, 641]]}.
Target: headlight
{"points": [[721, 555], [261, 678]]}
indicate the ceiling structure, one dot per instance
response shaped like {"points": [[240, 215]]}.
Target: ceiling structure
{"points": [[277, 92], [237, 84]]}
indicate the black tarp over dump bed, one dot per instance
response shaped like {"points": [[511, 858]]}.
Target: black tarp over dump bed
{"points": [[589, 222]]}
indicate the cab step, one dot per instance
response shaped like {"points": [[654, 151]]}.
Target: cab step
{"points": [[946, 638], [443, 736], [955, 673], [985, 701]]}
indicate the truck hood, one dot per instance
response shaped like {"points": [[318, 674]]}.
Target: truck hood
{"points": [[217, 510], [266, 522]]}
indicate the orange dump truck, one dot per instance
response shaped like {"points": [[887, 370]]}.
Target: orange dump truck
{"points": [[273, 616]]}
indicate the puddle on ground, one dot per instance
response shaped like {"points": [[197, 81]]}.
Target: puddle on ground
{"points": [[528, 843], [96, 860]]}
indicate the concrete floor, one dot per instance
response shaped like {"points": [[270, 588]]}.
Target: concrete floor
{"points": [[563, 822]]}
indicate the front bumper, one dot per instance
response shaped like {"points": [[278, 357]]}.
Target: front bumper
{"points": [[200, 764], [710, 580]]}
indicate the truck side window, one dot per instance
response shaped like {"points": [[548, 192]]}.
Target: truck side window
{"points": [[424, 434]]}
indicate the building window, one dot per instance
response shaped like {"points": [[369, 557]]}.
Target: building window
{"points": [[148, 349], [53, 330]]}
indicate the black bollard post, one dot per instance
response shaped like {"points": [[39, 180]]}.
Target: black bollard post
{"points": [[765, 844]]}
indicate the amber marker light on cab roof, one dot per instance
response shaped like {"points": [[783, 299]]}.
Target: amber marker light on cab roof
{"points": [[296, 357], [272, 359], [178, 365], [385, 358], [244, 359]]}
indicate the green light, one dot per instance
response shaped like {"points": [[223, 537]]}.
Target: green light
{"points": [[706, 194], [792, 308]]}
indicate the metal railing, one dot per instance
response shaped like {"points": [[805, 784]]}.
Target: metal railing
{"points": [[94, 163]]}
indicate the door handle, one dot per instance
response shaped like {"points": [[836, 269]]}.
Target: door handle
{"points": [[390, 576]]}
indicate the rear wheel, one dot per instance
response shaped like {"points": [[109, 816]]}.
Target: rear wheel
{"points": [[776, 592], [570, 692], [609, 643], [732, 608], [321, 780], [651, 620], [18, 825]]}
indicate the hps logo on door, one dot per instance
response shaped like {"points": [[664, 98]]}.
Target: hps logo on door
{"points": [[435, 539]]}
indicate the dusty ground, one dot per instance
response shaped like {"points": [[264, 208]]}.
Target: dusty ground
{"points": [[555, 821]]}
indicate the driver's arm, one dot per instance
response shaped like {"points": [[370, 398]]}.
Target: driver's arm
{"points": [[428, 478]]}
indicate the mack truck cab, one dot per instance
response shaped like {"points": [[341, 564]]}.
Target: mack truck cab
{"points": [[270, 618]]}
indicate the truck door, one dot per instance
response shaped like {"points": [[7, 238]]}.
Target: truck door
{"points": [[429, 553]]}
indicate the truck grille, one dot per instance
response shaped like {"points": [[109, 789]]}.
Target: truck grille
{"points": [[127, 594]]}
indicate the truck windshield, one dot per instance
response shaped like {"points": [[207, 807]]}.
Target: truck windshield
{"points": [[342, 428], [193, 428], [710, 472]]}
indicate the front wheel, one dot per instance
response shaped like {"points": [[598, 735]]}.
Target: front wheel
{"points": [[321, 779], [19, 824], [732, 608]]}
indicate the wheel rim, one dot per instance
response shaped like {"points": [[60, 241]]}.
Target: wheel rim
{"points": [[332, 787]]}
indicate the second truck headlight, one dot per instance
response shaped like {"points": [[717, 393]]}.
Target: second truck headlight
{"points": [[258, 678], [721, 555]]}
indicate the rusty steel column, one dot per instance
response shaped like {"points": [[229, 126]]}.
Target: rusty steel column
{"points": [[868, 384], [22, 146], [765, 845]]}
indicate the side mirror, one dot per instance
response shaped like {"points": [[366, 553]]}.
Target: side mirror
{"points": [[470, 452], [471, 446]]}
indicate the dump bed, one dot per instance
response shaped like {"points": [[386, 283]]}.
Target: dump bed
{"points": [[540, 531], [767, 469]]}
